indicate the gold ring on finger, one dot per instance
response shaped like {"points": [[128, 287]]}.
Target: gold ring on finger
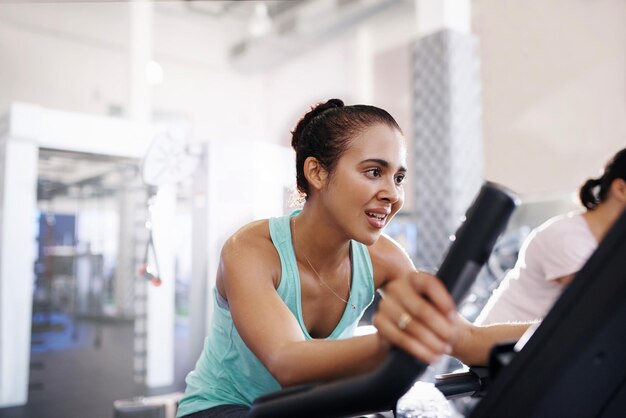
{"points": [[404, 321]]}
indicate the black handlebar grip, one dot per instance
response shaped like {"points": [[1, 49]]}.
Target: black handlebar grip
{"points": [[380, 390], [473, 242]]}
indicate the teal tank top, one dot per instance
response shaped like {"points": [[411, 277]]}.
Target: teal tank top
{"points": [[227, 372]]}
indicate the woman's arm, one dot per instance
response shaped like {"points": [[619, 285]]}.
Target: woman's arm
{"points": [[248, 274], [434, 328], [430, 333], [475, 342]]}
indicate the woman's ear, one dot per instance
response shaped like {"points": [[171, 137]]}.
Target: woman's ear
{"points": [[618, 189], [315, 174]]}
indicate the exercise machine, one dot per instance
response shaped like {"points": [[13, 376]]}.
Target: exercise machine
{"points": [[573, 364]]}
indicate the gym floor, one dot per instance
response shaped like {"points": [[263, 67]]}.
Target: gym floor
{"points": [[78, 368]]}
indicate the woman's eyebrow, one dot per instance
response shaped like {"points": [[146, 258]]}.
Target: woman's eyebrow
{"points": [[383, 163]]}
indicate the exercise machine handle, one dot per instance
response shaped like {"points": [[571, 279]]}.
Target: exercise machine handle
{"points": [[484, 222], [380, 389], [459, 384]]}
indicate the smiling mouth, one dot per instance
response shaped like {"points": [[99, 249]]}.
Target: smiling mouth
{"points": [[376, 216]]}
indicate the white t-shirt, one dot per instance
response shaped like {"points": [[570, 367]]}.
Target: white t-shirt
{"points": [[557, 248]]}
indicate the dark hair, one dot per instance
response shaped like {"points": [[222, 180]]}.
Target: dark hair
{"points": [[595, 191], [325, 132]]}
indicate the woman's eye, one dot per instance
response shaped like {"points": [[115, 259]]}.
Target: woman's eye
{"points": [[373, 172], [400, 178]]}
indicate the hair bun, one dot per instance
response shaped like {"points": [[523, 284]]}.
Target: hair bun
{"points": [[320, 108], [588, 194], [328, 105], [315, 111]]}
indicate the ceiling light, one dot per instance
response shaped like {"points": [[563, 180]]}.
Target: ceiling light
{"points": [[260, 23]]}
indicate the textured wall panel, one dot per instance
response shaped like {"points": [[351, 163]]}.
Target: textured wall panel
{"points": [[448, 156]]}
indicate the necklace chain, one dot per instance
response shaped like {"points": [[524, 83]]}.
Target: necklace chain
{"points": [[321, 281]]}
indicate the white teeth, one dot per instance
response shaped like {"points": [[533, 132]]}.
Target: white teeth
{"points": [[374, 215]]}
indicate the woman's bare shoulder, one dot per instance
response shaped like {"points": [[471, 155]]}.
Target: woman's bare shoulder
{"points": [[250, 249], [389, 260], [253, 239]]}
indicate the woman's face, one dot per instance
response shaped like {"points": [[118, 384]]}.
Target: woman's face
{"points": [[366, 189]]}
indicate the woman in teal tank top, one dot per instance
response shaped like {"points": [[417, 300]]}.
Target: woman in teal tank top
{"points": [[290, 291]]}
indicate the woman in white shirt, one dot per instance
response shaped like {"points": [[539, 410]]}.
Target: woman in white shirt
{"points": [[555, 251]]}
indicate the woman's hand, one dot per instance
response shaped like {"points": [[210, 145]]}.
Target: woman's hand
{"points": [[418, 315]]}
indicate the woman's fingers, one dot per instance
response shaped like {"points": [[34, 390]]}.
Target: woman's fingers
{"points": [[406, 325], [415, 295], [431, 287], [416, 347], [417, 315]]}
